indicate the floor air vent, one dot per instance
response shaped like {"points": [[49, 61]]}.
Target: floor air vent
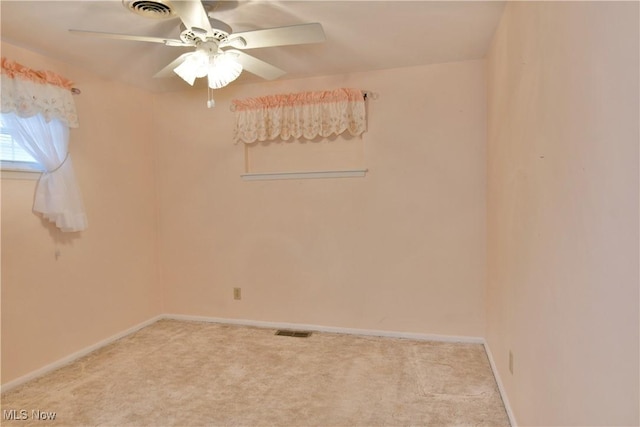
{"points": [[296, 334]]}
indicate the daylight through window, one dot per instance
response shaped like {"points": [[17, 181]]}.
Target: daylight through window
{"points": [[12, 155]]}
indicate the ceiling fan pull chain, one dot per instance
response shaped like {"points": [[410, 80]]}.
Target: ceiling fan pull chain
{"points": [[210, 102]]}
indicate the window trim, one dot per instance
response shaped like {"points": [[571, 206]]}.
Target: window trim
{"points": [[17, 166], [20, 170]]}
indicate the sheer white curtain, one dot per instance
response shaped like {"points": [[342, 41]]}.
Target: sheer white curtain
{"points": [[38, 107], [300, 115], [57, 195]]}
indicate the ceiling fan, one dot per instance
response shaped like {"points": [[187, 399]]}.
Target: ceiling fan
{"points": [[216, 52]]}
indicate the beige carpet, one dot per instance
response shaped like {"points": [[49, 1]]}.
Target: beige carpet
{"points": [[193, 374]]}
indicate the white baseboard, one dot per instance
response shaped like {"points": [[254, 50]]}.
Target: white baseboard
{"points": [[503, 392], [331, 329], [74, 356]]}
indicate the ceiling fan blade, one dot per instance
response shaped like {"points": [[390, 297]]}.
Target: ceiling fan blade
{"points": [[168, 70], [279, 36], [193, 15], [257, 66], [168, 42]]}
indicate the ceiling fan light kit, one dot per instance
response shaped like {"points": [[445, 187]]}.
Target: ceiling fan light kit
{"points": [[220, 68], [210, 38]]}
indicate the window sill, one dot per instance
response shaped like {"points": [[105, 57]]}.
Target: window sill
{"points": [[20, 174], [353, 173]]}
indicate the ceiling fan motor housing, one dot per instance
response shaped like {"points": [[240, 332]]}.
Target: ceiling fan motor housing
{"points": [[219, 31], [195, 35]]}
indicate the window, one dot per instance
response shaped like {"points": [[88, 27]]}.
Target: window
{"points": [[13, 156], [319, 132], [37, 112]]}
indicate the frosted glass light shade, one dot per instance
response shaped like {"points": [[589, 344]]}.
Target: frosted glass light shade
{"points": [[196, 65], [223, 69]]}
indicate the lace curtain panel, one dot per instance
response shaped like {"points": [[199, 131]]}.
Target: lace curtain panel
{"points": [[39, 109], [300, 115]]}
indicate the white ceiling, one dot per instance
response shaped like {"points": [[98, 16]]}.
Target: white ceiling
{"points": [[361, 35]]}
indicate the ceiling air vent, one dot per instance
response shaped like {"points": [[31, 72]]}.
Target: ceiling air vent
{"points": [[157, 9]]}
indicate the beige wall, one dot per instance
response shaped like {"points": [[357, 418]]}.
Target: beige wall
{"points": [[104, 280], [563, 211], [402, 249]]}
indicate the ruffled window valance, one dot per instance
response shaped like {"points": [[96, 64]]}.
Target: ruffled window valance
{"points": [[300, 115], [28, 92]]}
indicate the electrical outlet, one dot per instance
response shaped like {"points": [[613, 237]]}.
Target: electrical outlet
{"points": [[511, 362], [237, 293]]}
